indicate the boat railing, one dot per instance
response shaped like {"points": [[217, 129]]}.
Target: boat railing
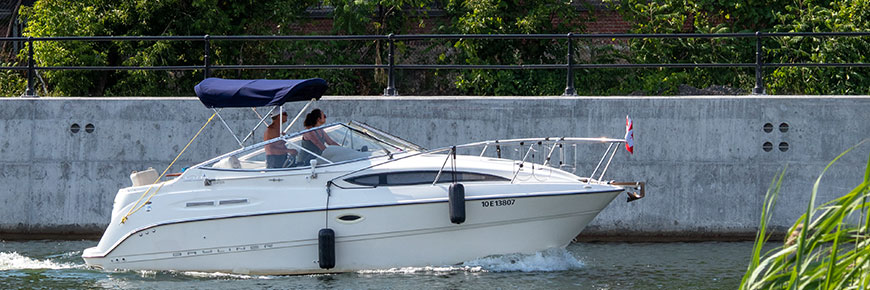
{"points": [[550, 143]]}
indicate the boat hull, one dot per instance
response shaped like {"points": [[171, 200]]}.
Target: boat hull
{"points": [[381, 236]]}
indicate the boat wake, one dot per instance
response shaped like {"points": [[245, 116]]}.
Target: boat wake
{"points": [[425, 270], [553, 259], [206, 275], [16, 261], [549, 260]]}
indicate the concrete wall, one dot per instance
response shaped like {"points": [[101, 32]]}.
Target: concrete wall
{"points": [[701, 157]]}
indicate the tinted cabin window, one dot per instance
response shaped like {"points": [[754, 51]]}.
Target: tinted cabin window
{"points": [[406, 178], [420, 177], [366, 180]]}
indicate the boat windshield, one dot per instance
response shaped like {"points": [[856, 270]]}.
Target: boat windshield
{"points": [[328, 144]]}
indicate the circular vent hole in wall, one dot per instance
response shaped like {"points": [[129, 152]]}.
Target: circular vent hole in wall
{"points": [[767, 146]]}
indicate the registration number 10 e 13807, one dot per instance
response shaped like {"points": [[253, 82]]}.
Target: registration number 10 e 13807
{"points": [[497, 202]]}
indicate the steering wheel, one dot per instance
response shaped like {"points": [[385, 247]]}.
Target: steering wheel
{"points": [[291, 159]]}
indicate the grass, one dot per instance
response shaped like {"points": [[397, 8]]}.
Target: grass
{"points": [[828, 246]]}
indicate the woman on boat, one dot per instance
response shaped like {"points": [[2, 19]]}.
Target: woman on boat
{"points": [[316, 140]]}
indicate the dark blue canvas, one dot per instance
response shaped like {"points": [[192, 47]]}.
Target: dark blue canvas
{"points": [[224, 93]]}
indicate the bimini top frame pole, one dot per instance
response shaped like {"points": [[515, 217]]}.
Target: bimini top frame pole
{"points": [[217, 112], [263, 121], [305, 108]]}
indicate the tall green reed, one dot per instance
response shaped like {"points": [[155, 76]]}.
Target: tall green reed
{"points": [[828, 246]]}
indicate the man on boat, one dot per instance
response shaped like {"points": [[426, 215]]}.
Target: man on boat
{"points": [[276, 152]]}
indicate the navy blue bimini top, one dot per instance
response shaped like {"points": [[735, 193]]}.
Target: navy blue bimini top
{"points": [[224, 93]]}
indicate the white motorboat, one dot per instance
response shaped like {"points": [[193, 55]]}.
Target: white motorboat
{"points": [[369, 200]]}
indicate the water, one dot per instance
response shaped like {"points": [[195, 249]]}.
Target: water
{"points": [[58, 265]]}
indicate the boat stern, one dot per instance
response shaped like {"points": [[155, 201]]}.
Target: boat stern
{"points": [[125, 199]]}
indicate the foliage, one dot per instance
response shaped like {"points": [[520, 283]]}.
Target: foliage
{"points": [[381, 17], [714, 16], [214, 17], [821, 16], [694, 16], [829, 246], [511, 17], [128, 17], [12, 83], [378, 17]]}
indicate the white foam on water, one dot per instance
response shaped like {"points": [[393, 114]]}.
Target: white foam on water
{"points": [[424, 270], [15, 261], [146, 273], [550, 260], [545, 261], [67, 255], [220, 275]]}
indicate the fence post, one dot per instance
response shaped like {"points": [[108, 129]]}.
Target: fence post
{"points": [[205, 57], [759, 83], [569, 88], [30, 71], [391, 78]]}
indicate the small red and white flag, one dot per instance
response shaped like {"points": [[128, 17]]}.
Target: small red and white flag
{"points": [[629, 135]]}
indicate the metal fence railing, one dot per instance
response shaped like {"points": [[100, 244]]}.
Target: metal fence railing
{"points": [[391, 66]]}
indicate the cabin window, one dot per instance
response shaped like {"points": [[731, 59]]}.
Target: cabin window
{"points": [[367, 180], [420, 177]]}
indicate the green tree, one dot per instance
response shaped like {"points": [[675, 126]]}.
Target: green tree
{"points": [[12, 83], [821, 16], [714, 16], [173, 17], [511, 17], [693, 16], [378, 17]]}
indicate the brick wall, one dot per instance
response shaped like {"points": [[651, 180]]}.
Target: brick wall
{"points": [[607, 21]]}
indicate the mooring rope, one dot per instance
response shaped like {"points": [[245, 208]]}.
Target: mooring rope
{"points": [[138, 206]]}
